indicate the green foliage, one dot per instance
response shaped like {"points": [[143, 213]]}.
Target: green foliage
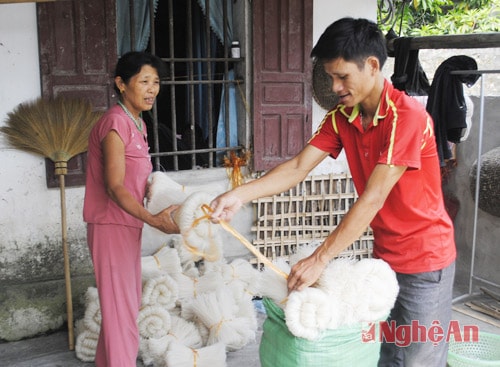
{"points": [[435, 17]]}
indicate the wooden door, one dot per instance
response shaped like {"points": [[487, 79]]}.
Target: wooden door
{"points": [[77, 45], [282, 42]]}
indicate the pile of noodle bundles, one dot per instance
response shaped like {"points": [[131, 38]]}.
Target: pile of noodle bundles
{"points": [[195, 307], [201, 236], [162, 290], [154, 321], [164, 260], [348, 292]]}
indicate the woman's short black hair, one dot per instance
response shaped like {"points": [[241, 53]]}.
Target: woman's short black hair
{"points": [[352, 40], [132, 62]]}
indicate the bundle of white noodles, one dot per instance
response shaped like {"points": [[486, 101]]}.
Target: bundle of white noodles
{"points": [[153, 351], [238, 271], [308, 312], [187, 259], [179, 355], [201, 236], [86, 342], [92, 317], [348, 292], [163, 191], [154, 321], [218, 311], [164, 260], [192, 287], [274, 286], [162, 291]]}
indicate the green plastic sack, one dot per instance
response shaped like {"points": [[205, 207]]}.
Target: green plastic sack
{"points": [[341, 347]]}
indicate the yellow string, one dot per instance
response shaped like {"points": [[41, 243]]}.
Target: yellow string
{"points": [[207, 209], [195, 357]]}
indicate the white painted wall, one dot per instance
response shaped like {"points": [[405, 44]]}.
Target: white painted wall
{"points": [[326, 12], [29, 212]]}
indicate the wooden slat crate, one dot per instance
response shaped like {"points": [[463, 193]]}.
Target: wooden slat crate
{"points": [[306, 213]]}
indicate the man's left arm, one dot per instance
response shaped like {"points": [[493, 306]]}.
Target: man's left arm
{"points": [[383, 178]]}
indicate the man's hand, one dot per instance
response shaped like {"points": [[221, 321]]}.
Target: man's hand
{"points": [[305, 273], [225, 206]]}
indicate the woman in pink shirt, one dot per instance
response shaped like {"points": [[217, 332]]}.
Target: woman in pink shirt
{"points": [[117, 171]]}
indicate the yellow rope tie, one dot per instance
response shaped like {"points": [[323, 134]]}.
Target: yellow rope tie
{"points": [[157, 261], [207, 209], [195, 281], [218, 325], [195, 357], [211, 254]]}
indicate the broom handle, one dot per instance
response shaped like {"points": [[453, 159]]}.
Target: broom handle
{"points": [[67, 273]]}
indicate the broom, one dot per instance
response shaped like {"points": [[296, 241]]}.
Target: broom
{"points": [[57, 129]]}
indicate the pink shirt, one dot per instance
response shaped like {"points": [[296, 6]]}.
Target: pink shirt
{"points": [[98, 206], [412, 231]]}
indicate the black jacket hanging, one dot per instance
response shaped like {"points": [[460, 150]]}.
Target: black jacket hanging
{"points": [[446, 102], [408, 73]]}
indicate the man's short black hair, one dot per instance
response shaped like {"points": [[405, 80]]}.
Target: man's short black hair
{"points": [[352, 40]]}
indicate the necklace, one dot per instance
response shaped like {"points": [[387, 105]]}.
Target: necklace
{"points": [[138, 123]]}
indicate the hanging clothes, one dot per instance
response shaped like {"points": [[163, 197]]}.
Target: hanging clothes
{"points": [[446, 103], [409, 76]]}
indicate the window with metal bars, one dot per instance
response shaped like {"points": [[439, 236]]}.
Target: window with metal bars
{"points": [[194, 123]]}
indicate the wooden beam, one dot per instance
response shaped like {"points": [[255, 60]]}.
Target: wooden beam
{"points": [[459, 41], [23, 1]]}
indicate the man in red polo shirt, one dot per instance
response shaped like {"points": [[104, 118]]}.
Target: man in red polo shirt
{"points": [[391, 150]]}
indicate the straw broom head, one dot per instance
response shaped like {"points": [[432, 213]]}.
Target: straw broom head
{"points": [[56, 128]]}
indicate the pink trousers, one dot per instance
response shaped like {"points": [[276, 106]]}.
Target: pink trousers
{"points": [[116, 256]]}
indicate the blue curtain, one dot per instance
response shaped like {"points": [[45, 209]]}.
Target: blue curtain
{"points": [[216, 17], [142, 25]]}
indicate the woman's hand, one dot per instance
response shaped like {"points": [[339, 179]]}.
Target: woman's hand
{"points": [[164, 220]]}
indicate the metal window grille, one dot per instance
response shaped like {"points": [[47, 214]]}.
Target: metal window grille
{"points": [[183, 125]]}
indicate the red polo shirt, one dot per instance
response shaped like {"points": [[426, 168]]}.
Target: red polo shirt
{"points": [[412, 231]]}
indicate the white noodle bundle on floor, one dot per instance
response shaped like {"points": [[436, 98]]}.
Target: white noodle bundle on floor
{"points": [[246, 309], [92, 317], [162, 291], [217, 310], [274, 286], [201, 236], [179, 355], [86, 345], [308, 313], [154, 321], [185, 332], [164, 260], [241, 270], [152, 351], [187, 258], [86, 342], [192, 287]]}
